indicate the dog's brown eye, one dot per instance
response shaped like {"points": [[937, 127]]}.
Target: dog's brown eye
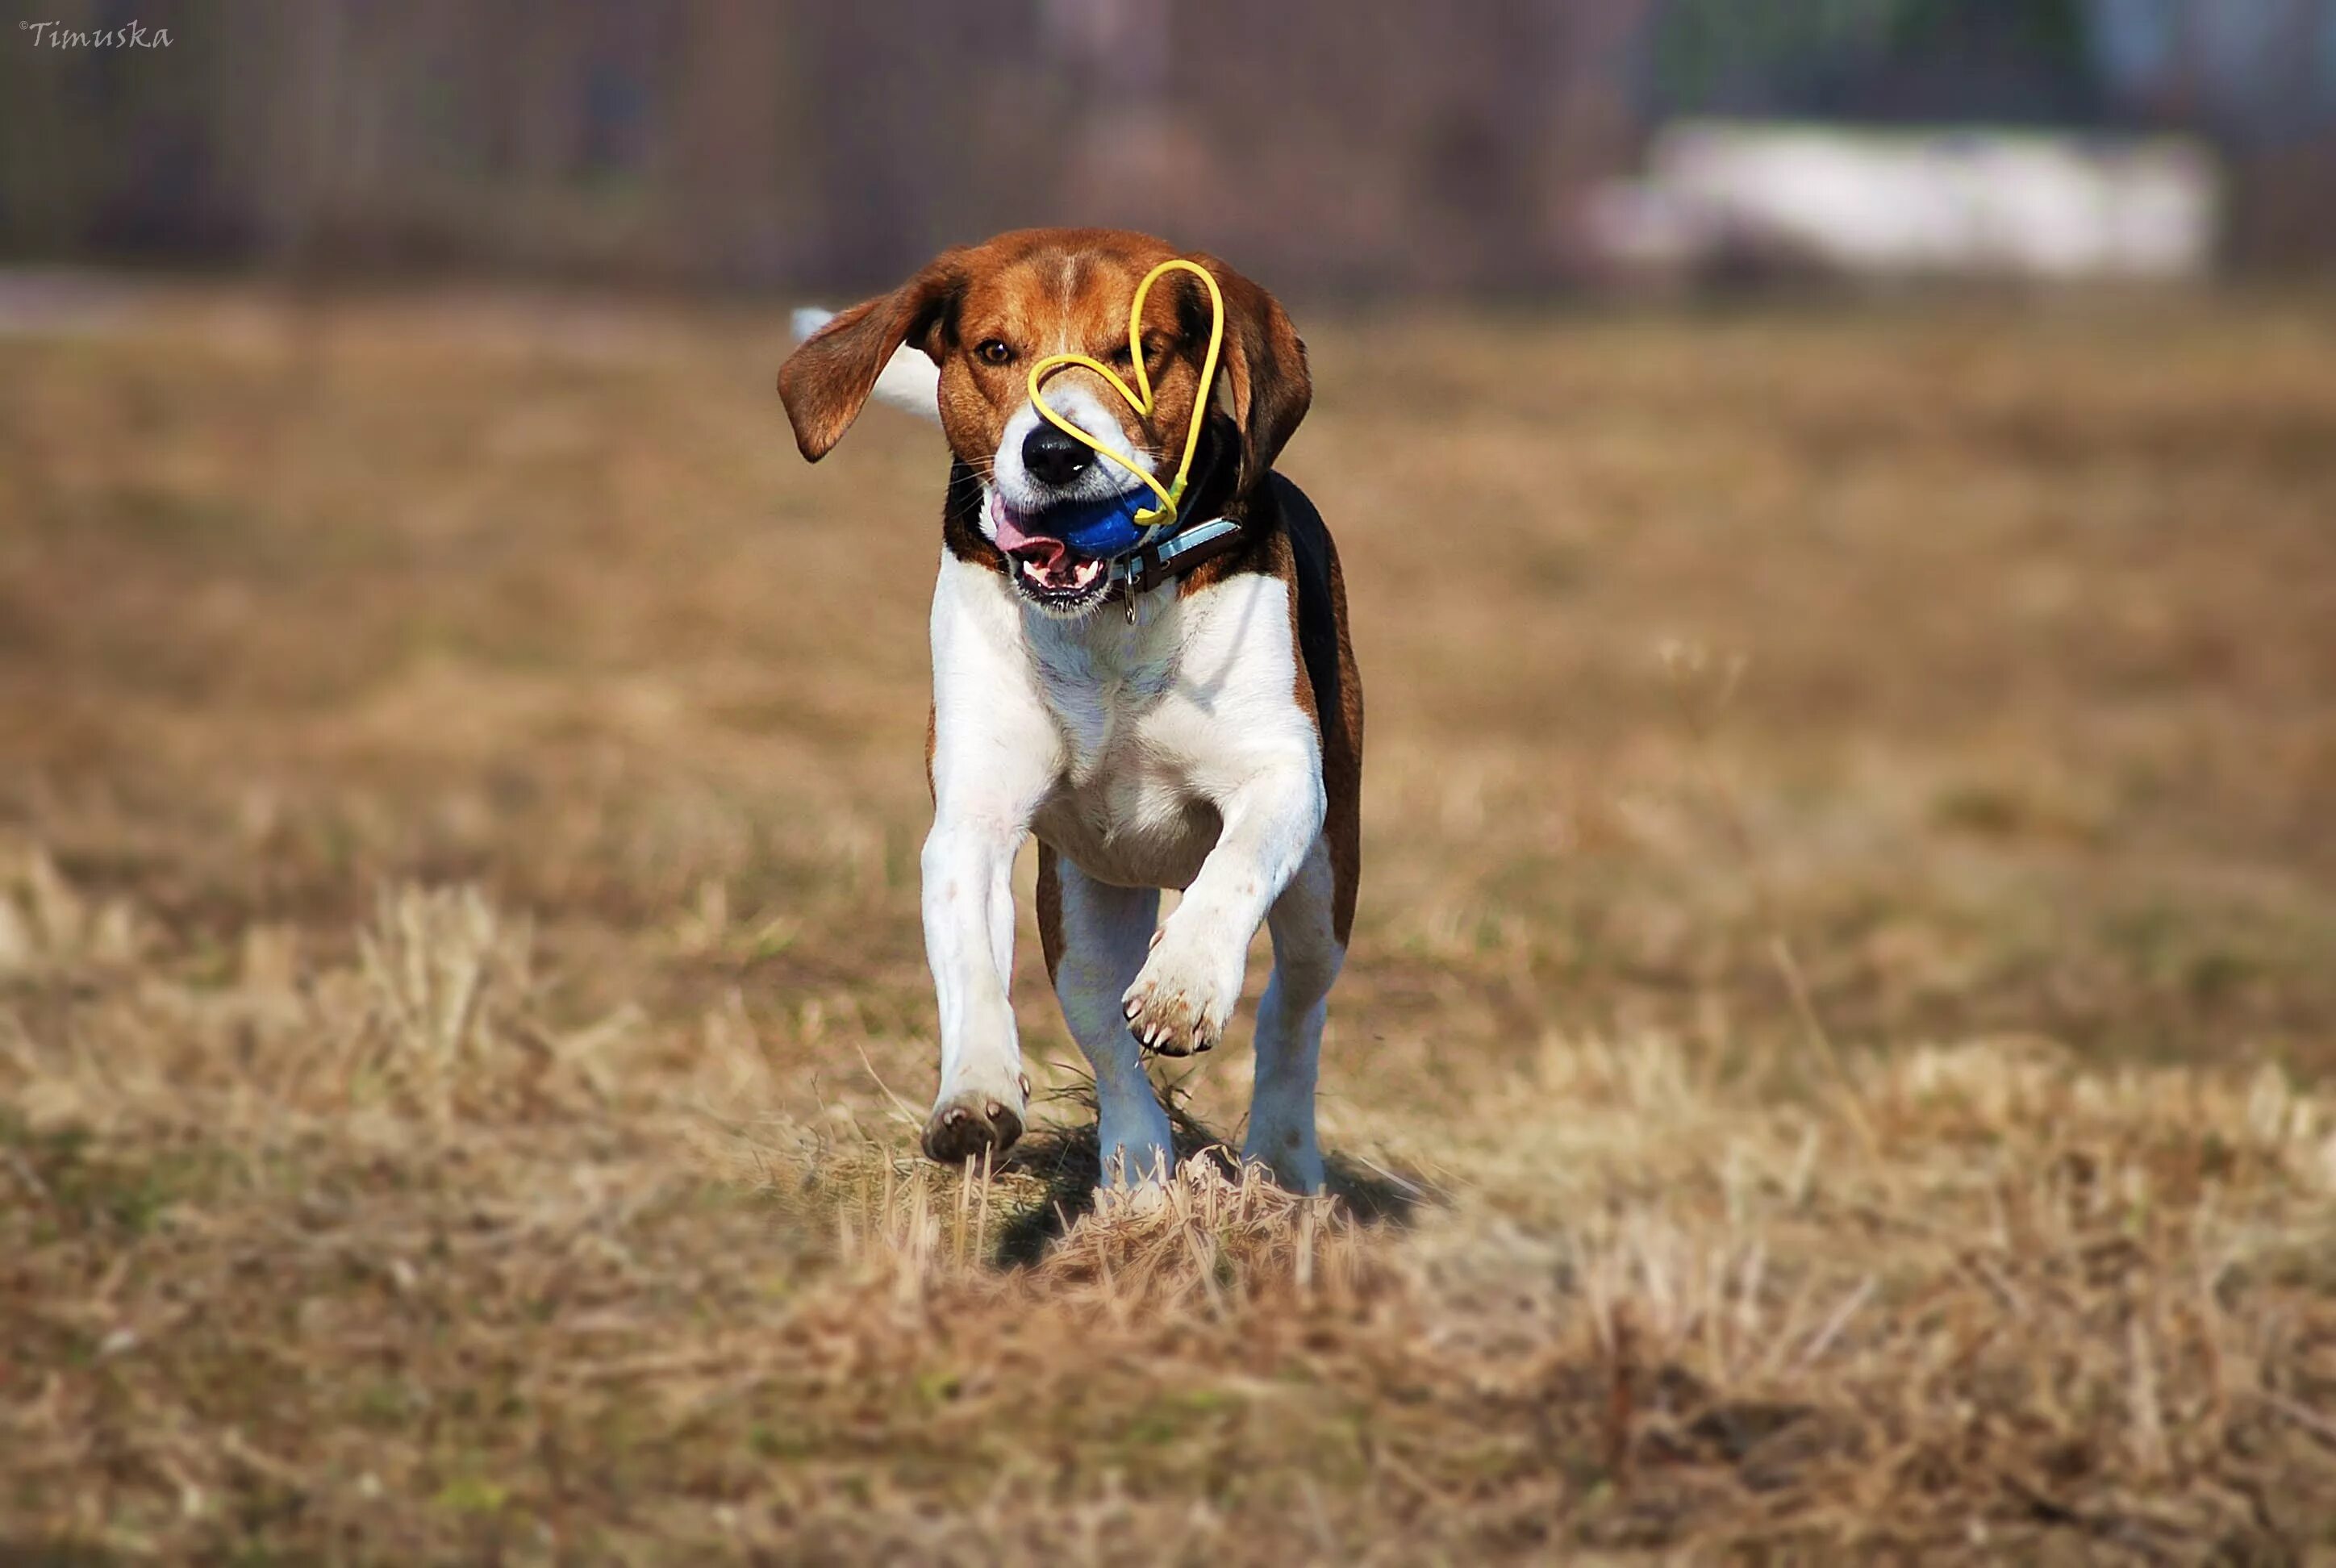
{"points": [[994, 351]]}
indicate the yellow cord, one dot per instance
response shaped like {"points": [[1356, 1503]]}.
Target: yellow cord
{"points": [[1140, 399]]}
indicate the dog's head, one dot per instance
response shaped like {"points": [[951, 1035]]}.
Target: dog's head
{"points": [[984, 313]]}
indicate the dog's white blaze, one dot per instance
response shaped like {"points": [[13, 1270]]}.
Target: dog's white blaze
{"points": [[1085, 409], [1168, 750]]}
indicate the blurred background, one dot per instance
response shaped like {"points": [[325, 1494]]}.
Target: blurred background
{"points": [[1333, 144], [390, 454]]}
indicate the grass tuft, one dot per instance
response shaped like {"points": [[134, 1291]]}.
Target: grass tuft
{"points": [[1832, 1062]]}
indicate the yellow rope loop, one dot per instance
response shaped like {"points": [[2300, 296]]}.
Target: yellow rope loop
{"points": [[1139, 398]]}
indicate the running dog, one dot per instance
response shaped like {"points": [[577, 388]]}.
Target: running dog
{"points": [[1187, 716]]}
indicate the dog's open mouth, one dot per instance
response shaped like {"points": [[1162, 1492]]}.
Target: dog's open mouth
{"points": [[1045, 567]]}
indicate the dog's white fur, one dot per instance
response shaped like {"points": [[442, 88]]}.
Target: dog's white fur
{"points": [[1165, 752], [1100, 481], [1164, 749]]}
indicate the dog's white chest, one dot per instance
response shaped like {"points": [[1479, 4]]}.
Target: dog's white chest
{"points": [[1131, 802], [1137, 731], [1111, 685], [1159, 718]]}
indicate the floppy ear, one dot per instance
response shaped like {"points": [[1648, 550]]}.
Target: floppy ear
{"points": [[826, 381], [1263, 370]]}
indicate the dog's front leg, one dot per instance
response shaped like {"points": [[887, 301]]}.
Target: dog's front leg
{"points": [[995, 756], [968, 904], [1188, 987]]}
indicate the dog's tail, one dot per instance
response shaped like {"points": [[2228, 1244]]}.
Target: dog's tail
{"points": [[910, 381]]}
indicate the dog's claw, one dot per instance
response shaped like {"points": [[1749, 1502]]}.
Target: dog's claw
{"points": [[1181, 998], [964, 1130]]}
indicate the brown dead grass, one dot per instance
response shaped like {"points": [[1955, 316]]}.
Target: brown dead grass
{"points": [[1830, 1061]]}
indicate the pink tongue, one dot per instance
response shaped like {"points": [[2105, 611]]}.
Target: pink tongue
{"points": [[1046, 552]]}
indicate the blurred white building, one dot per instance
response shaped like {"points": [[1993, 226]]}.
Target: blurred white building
{"points": [[2032, 138], [1840, 201]]}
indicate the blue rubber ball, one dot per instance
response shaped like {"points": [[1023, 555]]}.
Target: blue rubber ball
{"points": [[1107, 529]]}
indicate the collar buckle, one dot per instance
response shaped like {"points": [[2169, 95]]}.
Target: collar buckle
{"points": [[1144, 570]]}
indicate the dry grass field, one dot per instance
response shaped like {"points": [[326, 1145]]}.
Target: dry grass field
{"points": [[1835, 1057]]}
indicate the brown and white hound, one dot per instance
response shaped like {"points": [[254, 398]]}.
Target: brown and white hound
{"points": [[1187, 723]]}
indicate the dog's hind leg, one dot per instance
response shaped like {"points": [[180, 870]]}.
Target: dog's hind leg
{"points": [[1096, 938], [1306, 954]]}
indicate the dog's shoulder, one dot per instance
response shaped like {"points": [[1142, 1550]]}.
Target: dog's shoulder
{"points": [[1294, 543], [1321, 591], [1287, 538]]}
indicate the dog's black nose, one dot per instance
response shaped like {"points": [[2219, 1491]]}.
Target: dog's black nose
{"points": [[1053, 458]]}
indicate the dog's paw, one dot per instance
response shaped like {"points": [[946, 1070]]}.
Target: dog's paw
{"points": [[1181, 998], [965, 1126]]}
